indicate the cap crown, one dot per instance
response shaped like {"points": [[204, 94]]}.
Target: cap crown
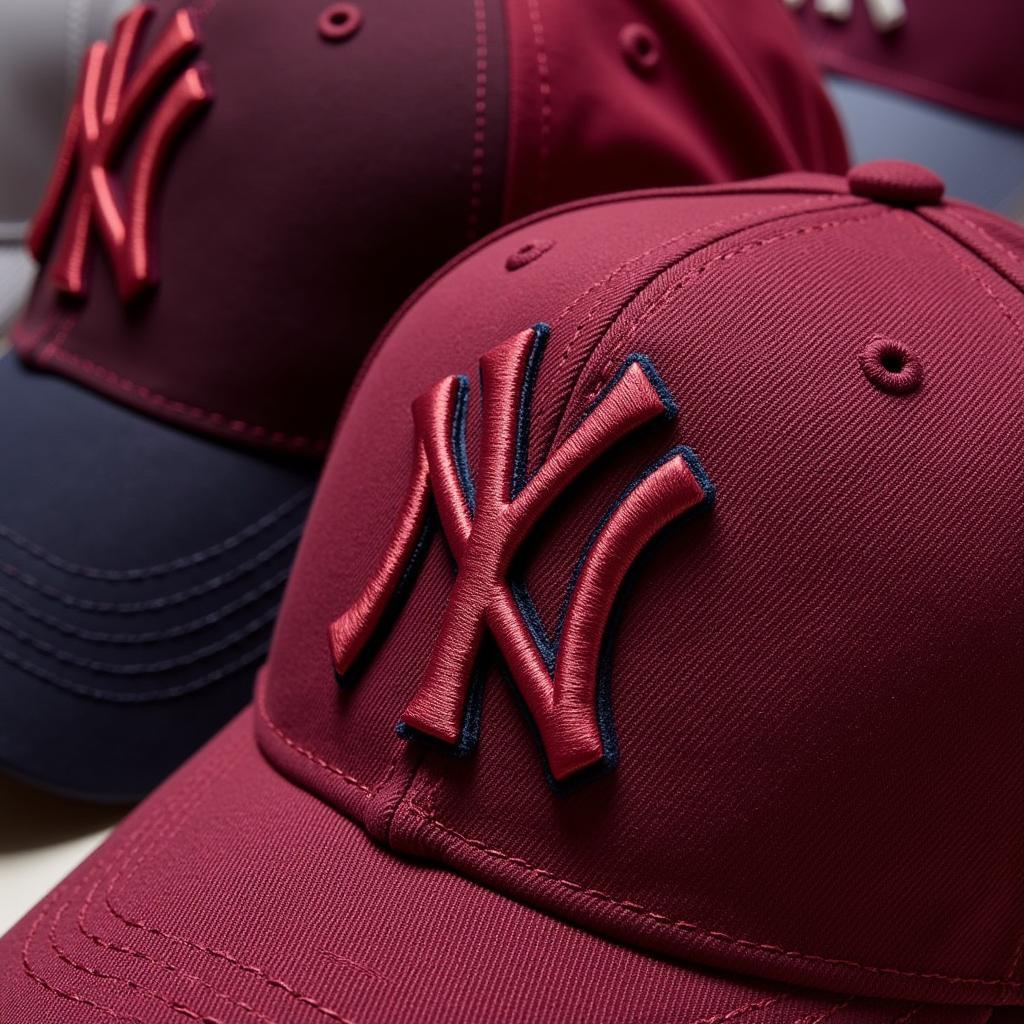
{"points": [[814, 685], [248, 189]]}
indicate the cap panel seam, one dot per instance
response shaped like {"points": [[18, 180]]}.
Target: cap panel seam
{"points": [[939, 219], [479, 117], [572, 206], [631, 328], [543, 68], [782, 210], [753, 91], [952, 248], [961, 216]]}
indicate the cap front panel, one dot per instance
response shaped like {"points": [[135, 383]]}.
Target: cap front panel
{"points": [[590, 257], [796, 679]]}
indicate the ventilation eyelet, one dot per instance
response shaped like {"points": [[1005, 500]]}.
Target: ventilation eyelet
{"points": [[640, 47], [528, 252], [339, 21], [891, 366]]}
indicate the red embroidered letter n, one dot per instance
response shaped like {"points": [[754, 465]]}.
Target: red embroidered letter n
{"points": [[485, 520], [112, 100]]}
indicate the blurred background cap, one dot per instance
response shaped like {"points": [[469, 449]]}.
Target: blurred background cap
{"points": [[939, 82], [41, 44]]}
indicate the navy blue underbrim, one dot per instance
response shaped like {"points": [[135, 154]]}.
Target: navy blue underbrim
{"points": [[141, 567]]}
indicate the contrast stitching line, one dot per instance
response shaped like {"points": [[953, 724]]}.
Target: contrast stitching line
{"points": [[633, 328], [217, 420], [353, 965], [544, 88], [224, 643], [247, 532], [165, 965], [154, 636], [74, 997], [1016, 962], [760, 1004], [25, 342], [806, 204], [958, 215], [906, 1017], [261, 707], [479, 119], [634, 908], [663, 919], [823, 1015], [220, 954], [149, 697], [182, 803], [176, 1006], [60, 335], [283, 542]]}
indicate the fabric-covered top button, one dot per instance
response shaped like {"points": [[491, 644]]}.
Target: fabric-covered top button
{"points": [[897, 182]]}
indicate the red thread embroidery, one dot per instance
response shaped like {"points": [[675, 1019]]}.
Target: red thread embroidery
{"points": [[486, 521], [108, 107]]}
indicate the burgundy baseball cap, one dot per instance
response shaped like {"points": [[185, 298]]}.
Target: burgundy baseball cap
{"points": [[653, 652], [246, 191]]}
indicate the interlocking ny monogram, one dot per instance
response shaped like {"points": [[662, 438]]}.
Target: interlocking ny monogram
{"points": [[108, 106], [563, 681]]}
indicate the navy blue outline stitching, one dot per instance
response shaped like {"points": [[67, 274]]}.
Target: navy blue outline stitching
{"points": [[541, 333], [458, 443]]}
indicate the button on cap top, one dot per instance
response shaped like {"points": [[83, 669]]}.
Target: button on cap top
{"points": [[896, 182]]}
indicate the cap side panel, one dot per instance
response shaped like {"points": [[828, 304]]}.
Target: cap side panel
{"points": [[998, 242], [699, 115]]}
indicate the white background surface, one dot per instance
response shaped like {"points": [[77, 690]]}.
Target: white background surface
{"points": [[42, 838]]}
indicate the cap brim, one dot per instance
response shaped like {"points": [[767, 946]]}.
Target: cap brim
{"points": [[978, 160], [17, 271], [233, 895], [140, 572]]}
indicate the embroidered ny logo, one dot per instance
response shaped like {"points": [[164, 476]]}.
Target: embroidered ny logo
{"points": [[563, 681], [108, 107]]}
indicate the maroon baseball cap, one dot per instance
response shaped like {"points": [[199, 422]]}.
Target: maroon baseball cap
{"points": [[653, 652], [246, 191]]}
